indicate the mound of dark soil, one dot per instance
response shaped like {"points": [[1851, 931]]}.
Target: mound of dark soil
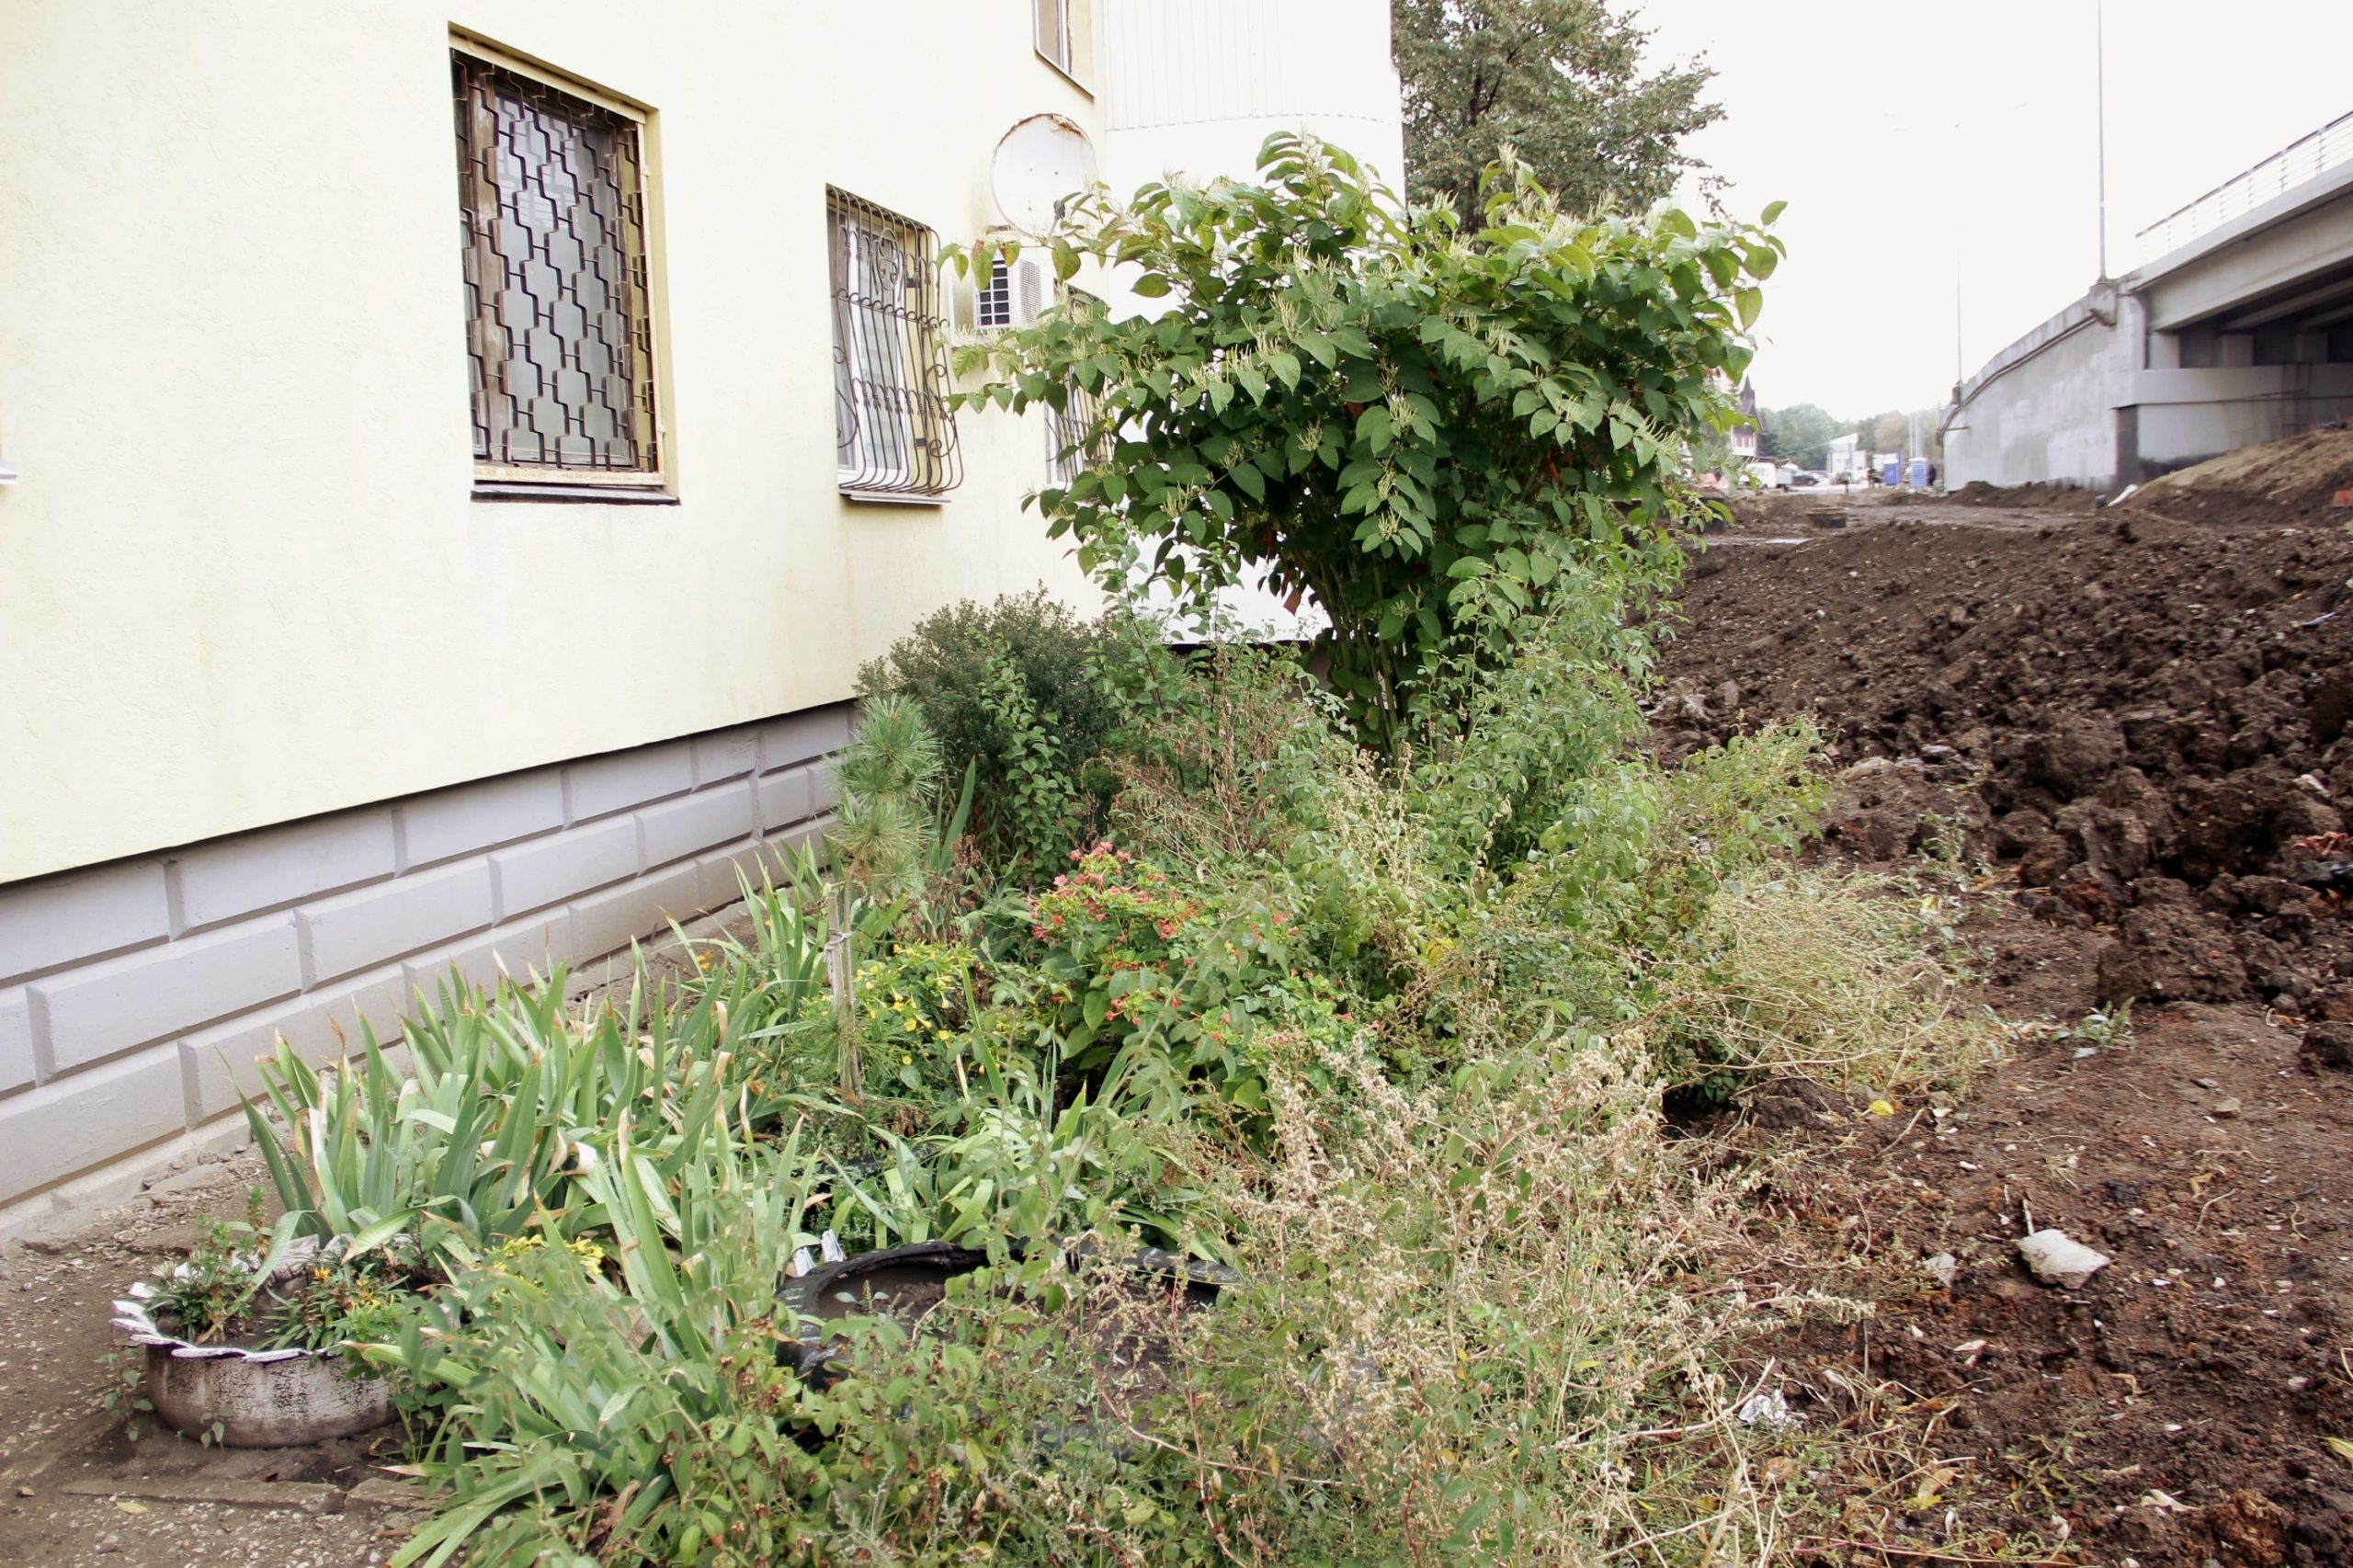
{"points": [[2149, 715], [2282, 483], [2146, 715], [2062, 497]]}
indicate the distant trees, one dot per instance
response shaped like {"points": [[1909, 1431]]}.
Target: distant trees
{"points": [[1891, 432], [1563, 81], [1800, 435]]}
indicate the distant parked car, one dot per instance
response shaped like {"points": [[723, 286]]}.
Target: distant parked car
{"points": [[1809, 479]]}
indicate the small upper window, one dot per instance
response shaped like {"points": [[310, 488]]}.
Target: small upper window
{"points": [[894, 435], [993, 305], [1059, 22], [559, 328], [1012, 296]]}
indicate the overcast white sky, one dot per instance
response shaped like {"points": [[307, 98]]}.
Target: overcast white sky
{"points": [[1849, 112]]}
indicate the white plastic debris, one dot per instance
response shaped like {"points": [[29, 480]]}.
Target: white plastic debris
{"points": [[1766, 1408], [2054, 1257], [1944, 1269]]}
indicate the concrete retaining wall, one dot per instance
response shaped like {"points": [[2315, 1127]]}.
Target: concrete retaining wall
{"points": [[135, 997], [2044, 410]]}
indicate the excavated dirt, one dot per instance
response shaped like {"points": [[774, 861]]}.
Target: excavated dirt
{"points": [[2148, 705], [2121, 737]]}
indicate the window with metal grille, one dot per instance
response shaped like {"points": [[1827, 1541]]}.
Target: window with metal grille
{"points": [[892, 432], [559, 324], [993, 304], [1073, 442]]}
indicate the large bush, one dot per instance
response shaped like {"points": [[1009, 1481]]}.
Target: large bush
{"points": [[1031, 694], [1423, 428]]}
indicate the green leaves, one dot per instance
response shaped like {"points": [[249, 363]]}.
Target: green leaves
{"points": [[1544, 377]]}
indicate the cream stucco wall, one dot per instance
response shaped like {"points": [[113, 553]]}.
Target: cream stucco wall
{"points": [[242, 579]]}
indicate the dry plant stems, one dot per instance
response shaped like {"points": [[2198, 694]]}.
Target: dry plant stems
{"points": [[1820, 976], [1500, 1350]]}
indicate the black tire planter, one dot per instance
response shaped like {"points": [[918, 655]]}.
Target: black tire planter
{"points": [[866, 1283]]}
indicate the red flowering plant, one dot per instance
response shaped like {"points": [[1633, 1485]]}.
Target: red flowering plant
{"points": [[1130, 959]]}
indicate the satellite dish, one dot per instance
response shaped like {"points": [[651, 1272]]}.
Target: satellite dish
{"points": [[1039, 163]]}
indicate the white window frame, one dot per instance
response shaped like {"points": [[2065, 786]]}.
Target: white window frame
{"points": [[890, 368], [1063, 34]]}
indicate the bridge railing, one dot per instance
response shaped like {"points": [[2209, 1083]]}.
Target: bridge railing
{"points": [[2306, 158]]}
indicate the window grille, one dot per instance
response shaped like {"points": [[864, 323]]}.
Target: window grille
{"points": [[995, 304], [559, 328], [1073, 444], [892, 430]]}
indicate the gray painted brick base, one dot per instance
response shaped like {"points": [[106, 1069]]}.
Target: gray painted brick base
{"points": [[135, 997]]}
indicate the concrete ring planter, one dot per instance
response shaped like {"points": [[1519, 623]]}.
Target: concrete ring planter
{"points": [[305, 1396], [259, 1399]]}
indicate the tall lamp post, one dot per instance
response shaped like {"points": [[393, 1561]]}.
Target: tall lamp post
{"points": [[2099, 111]]}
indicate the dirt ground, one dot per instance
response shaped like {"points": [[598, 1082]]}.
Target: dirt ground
{"points": [[77, 1491], [2122, 733]]}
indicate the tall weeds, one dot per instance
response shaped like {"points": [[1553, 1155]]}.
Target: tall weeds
{"points": [[1391, 1037]]}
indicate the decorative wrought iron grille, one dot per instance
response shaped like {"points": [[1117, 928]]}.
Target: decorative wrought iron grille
{"points": [[1074, 443], [558, 326], [892, 430], [1076, 437]]}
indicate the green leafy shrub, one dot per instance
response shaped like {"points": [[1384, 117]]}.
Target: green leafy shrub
{"points": [[1421, 428], [916, 1007], [1133, 964], [1028, 695], [1512, 745], [1231, 767]]}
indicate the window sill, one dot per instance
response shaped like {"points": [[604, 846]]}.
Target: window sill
{"points": [[890, 498], [612, 494], [1064, 72]]}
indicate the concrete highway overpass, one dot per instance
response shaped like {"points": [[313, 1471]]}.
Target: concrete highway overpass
{"points": [[2241, 331]]}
